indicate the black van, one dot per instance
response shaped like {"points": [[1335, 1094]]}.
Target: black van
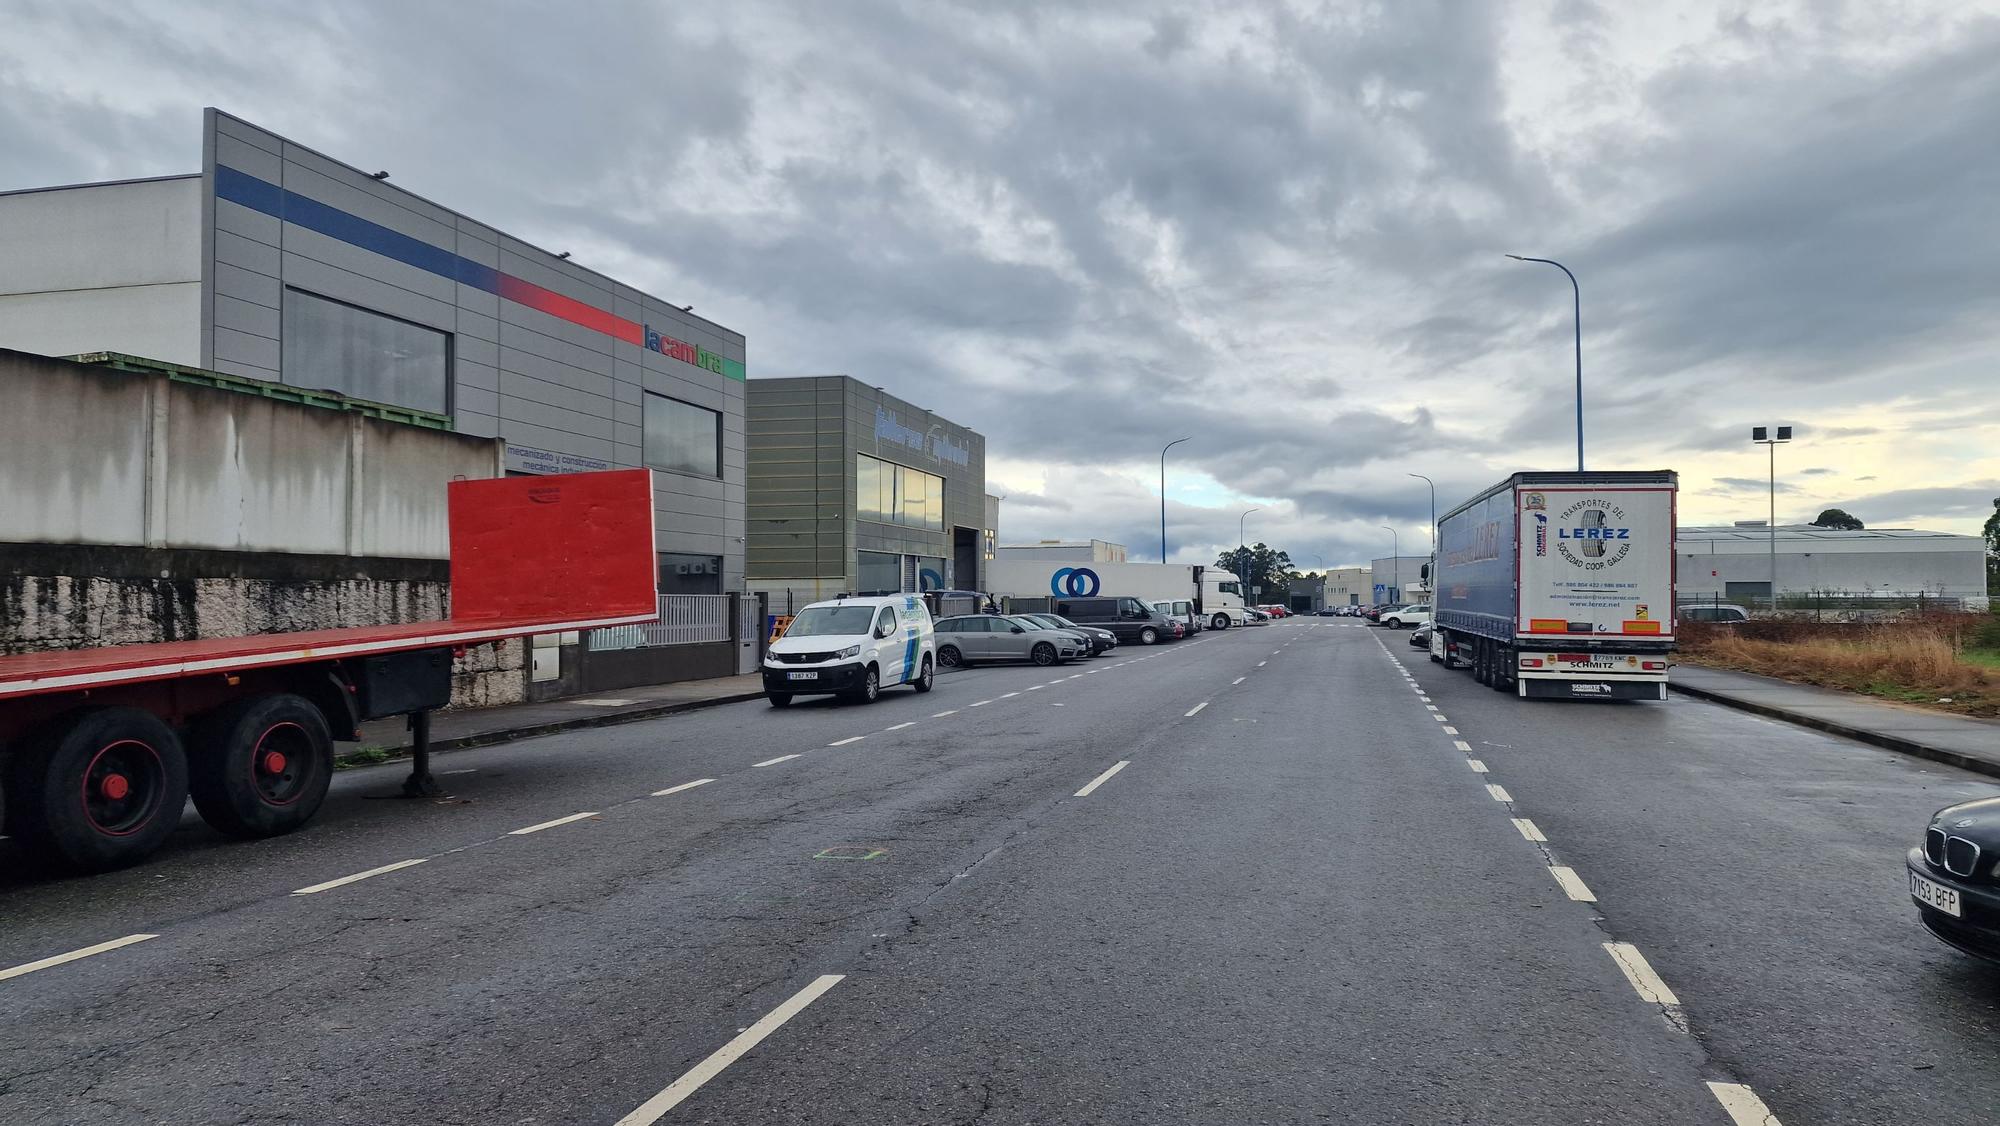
{"points": [[1129, 618]]}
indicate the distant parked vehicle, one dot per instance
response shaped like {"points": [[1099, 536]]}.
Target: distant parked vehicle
{"points": [[1420, 637], [1080, 640], [1258, 617], [1407, 617], [965, 640], [1101, 640], [1720, 613], [1183, 611], [1129, 618]]}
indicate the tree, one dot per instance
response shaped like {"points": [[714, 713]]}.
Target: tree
{"points": [[1838, 518], [1992, 533], [1257, 566]]}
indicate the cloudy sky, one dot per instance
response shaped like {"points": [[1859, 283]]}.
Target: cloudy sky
{"points": [[1279, 228]]}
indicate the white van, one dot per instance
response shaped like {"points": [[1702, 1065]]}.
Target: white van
{"points": [[853, 647]]}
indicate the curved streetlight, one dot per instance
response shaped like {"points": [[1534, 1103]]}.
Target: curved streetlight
{"points": [[1243, 549], [1432, 578], [1395, 559], [1576, 294], [1163, 493]]}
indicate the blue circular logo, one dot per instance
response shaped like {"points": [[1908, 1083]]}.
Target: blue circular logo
{"points": [[1074, 582]]}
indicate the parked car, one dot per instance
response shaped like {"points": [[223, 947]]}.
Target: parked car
{"points": [[1101, 640], [1129, 618], [1721, 613], [1952, 879], [1420, 637], [1330, 612], [1079, 641], [1407, 617], [1372, 613], [853, 647], [1181, 610], [971, 638], [1257, 617]]}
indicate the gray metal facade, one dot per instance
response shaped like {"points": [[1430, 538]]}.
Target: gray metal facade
{"points": [[806, 435], [564, 388]]}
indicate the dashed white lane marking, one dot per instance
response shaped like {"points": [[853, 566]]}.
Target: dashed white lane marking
{"points": [[1103, 778], [1451, 730], [1261, 664], [978, 703], [1057, 680], [1238, 681], [1530, 830], [652, 1109], [449, 773], [1498, 794], [944, 713], [1056, 705], [1078, 676], [565, 820], [1430, 707], [357, 877], [1572, 884], [1195, 709], [835, 743], [1640, 973], [1476, 765], [1439, 718], [774, 761], [74, 955], [1036, 687], [912, 723], [682, 786], [1743, 1105], [1004, 695]]}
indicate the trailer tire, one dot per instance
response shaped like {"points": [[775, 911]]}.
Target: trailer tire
{"points": [[1501, 678], [1482, 663], [261, 766], [97, 789]]}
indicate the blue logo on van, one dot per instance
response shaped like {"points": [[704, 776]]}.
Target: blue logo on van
{"points": [[1074, 582]]}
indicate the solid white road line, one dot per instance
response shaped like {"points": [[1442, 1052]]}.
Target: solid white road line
{"points": [[1462, 745], [357, 877], [944, 713], [1497, 793], [1529, 830], [837, 743], [1743, 1105], [682, 786], [1195, 709], [1476, 765], [1572, 884], [652, 1109], [774, 761], [74, 955], [1103, 778], [899, 727], [1238, 680], [562, 821], [979, 704], [1640, 974]]}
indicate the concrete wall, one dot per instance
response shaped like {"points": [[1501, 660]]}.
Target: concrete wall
{"points": [[544, 382], [103, 268], [149, 462]]}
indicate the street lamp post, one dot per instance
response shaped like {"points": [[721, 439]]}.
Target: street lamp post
{"points": [[1431, 580], [1163, 494], [1243, 551], [1576, 294], [1395, 561], [1763, 436]]}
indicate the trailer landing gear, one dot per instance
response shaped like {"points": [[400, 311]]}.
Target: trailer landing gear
{"points": [[420, 784]]}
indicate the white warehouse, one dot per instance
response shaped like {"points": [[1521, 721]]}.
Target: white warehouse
{"points": [[1732, 563]]}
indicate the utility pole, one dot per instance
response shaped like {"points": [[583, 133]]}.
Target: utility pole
{"points": [[1395, 561], [1243, 554], [1431, 580]]}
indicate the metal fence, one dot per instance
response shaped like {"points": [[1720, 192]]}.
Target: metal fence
{"points": [[685, 619]]}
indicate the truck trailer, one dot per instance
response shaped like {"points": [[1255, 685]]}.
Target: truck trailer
{"points": [[1560, 585], [1216, 593], [101, 748]]}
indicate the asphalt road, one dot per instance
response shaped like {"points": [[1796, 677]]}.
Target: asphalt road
{"points": [[1301, 902]]}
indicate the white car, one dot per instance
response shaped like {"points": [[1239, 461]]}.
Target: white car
{"points": [[853, 647], [1407, 617]]}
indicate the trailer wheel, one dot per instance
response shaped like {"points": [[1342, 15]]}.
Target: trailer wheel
{"points": [[97, 790], [1501, 678], [1482, 665], [261, 766]]}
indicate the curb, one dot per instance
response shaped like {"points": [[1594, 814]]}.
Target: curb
{"points": [[1909, 747], [533, 731]]}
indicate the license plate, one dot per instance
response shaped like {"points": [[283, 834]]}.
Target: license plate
{"points": [[1934, 895], [814, 675]]}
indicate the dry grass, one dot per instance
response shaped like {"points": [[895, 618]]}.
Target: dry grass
{"points": [[1921, 661]]}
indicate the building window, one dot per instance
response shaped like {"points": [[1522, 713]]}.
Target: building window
{"points": [[365, 355], [880, 572], [888, 493], [690, 574], [992, 543], [682, 437]]}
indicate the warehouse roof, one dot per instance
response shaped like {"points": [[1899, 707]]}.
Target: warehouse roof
{"points": [[1762, 533]]}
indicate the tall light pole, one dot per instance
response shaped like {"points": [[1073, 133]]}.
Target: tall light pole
{"points": [[1242, 550], [1395, 561], [1762, 435], [1576, 294], [1431, 579], [1163, 494]]}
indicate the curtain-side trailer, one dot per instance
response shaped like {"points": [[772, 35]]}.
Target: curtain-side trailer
{"points": [[1560, 585]]}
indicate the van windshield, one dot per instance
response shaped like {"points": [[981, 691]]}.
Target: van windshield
{"points": [[823, 621]]}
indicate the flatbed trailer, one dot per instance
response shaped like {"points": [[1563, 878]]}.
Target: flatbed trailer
{"points": [[100, 749]]}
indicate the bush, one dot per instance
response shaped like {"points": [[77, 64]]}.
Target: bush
{"points": [[1920, 660]]}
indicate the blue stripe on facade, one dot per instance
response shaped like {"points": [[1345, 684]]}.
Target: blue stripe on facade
{"points": [[291, 207]]}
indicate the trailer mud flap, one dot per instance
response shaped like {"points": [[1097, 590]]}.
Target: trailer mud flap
{"points": [[1588, 689]]}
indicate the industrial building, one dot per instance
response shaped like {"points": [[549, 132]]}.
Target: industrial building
{"points": [[852, 490], [1733, 563], [1395, 579], [1069, 551], [279, 264], [1347, 586]]}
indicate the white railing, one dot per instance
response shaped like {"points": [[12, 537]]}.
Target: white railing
{"points": [[685, 619]]}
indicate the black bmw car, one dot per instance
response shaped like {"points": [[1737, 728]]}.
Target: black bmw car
{"points": [[1953, 877]]}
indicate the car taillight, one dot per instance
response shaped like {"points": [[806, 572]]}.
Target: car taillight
{"points": [[1654, 665], [1531, 662]]}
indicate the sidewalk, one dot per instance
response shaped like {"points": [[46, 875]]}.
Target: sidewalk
{"points": [[1971, 744], [479, 727]]}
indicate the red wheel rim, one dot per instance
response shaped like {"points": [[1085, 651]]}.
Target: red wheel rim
{"points": [[280, 764], [122, 787]]}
